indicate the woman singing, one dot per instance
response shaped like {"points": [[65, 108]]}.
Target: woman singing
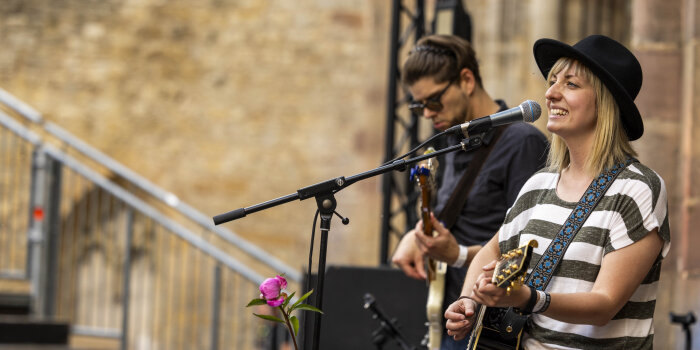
{"points": [[602, 293]]}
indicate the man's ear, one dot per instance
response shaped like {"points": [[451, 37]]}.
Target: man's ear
{"points": [[467, 81]]}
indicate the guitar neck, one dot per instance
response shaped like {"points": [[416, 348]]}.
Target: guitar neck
{"points": [[477, 328], [425, 209]]}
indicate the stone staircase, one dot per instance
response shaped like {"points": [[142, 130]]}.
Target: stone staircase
{"points": [[19, 329]]}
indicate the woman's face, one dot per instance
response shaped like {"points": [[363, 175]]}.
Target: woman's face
{"points": [[571, 103]]}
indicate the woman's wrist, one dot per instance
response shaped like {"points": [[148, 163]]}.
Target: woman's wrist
{"points": [[526, 308], [542, 304]]}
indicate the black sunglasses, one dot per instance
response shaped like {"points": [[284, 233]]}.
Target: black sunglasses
{"points": [[432, 103]]}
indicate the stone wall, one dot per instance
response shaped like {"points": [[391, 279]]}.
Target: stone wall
{"points": [[224, 103]]}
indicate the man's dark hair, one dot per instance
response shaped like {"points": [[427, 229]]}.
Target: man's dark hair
{"points": [[441, 57]]}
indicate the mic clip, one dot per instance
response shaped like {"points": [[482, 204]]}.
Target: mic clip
{"points": [[472, 142]]}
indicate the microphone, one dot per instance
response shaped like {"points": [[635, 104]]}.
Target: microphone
{"points": [[528, 111]]}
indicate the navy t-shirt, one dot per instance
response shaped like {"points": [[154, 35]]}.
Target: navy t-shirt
{"points": [[518, 154]]}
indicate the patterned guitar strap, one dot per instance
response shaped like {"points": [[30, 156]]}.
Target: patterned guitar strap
{"points": [[507, 320], [541, 275]]}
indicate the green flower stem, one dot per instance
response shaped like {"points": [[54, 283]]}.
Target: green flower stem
{"points": [[289, 326]]}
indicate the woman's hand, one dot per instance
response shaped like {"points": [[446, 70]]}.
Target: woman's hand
{"points": [[460, 318], [487, 293]]}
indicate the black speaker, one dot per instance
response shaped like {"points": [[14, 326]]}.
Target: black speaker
{"points": [[347, 324]]}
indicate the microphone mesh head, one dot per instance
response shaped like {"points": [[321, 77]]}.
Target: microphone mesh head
{"points": [[531, 111]]}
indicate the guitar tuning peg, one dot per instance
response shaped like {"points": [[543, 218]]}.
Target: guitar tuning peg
{"points": [[522, 279], [514, 266], [501, 277], [507, 271], [519, 252], [508, 291]]}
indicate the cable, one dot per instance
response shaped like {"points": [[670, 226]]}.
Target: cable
{"points": [[311, 251], [415, 148]]}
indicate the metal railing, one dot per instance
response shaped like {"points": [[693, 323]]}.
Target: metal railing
{"points": [[114, 255]]}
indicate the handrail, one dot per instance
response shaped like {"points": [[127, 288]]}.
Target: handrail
{"points": [[20, 107], [153, 213], [19, 130], [142, 183], [171, 200]]}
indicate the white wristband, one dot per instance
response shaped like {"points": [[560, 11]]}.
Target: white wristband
{"points": [[541, 296], [462, 258]]}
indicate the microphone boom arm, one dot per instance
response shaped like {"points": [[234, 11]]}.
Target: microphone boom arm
{"points": [[336, 184]]}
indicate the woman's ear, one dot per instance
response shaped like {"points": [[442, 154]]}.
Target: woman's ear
{"points": [[467, 82]]}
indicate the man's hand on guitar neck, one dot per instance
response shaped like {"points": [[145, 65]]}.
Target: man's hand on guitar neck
{"points": [[409, 258], [441, 247]]}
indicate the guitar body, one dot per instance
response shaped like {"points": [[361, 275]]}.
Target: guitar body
{"points": [[502, 328], [433, 308]]}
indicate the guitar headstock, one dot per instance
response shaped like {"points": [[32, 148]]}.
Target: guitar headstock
{"points": [[512, 266], [424, 172]]}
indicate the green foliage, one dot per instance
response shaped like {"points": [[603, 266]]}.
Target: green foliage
{"points": [[286, 301], [270, 318], [256, 302], [295, 323], [298, 302], [269, 288], [308, 308]]}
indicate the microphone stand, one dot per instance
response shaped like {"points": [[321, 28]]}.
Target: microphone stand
{"points": [[386, 326], [326, 202]]}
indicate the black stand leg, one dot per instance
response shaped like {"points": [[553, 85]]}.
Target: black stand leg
{"points": [[326, 205], [323, 192]]}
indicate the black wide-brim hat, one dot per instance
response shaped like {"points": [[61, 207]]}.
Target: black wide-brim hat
{"points": [[611, 62]]}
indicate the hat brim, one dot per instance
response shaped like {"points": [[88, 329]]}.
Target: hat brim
{"points": [[548, 51]]}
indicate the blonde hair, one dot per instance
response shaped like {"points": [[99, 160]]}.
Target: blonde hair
{"points": [[610, 144]]}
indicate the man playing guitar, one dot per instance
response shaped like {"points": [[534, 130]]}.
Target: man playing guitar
{"points": [[442, 75]]}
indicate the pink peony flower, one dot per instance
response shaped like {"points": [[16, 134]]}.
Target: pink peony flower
{"points": [[272, 294], [277, 302], [271, 290]]}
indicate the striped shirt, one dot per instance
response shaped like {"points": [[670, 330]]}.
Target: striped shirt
{"points": [[634, 205]]}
